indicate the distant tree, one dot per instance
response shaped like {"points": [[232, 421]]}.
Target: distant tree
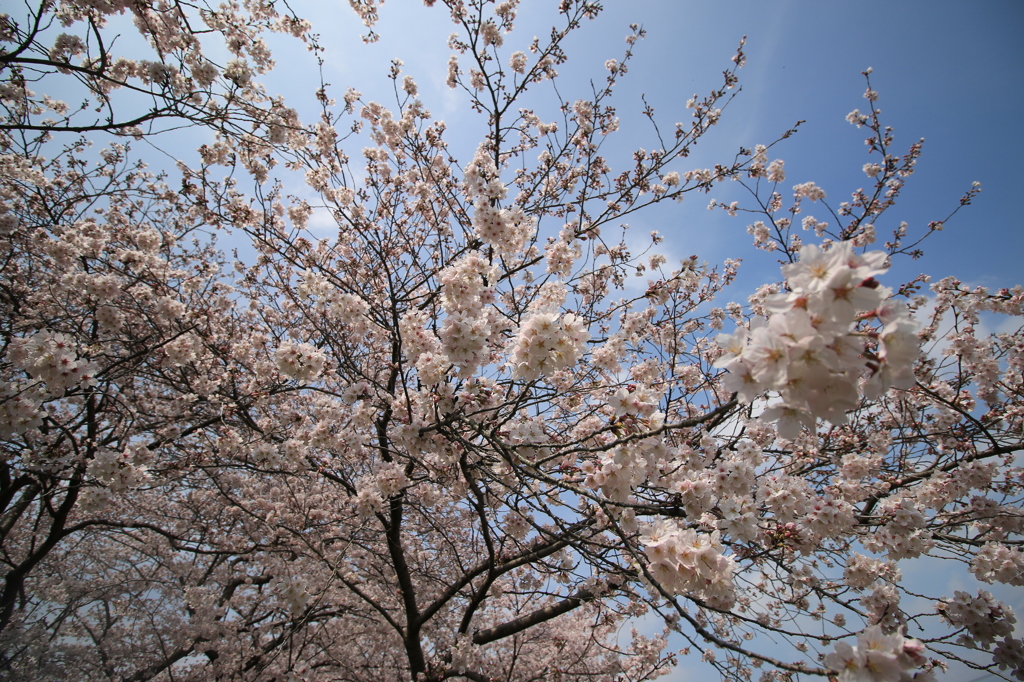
{"points": [[455, 441]]}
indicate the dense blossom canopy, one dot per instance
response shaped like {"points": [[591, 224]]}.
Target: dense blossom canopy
{"points": [[455, 439]]}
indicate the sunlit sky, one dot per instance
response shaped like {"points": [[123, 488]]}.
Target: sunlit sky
{"points": [[949, 72]]}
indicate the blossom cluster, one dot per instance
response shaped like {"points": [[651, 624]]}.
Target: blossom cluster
{"points": [[879, 658], [120, 470], [812, 351], [995, 562], [984, 617], [862, 571], [350, 311], [1009, 655], [294, 591], [620, 471], [94, 499], [904, 535], [471, 322], [561, 253], [52, 358], [20, 407], [687, 562], [287, 456], [507, 230], [547, 343], [374, 489], [300, 361], [635, 399]]}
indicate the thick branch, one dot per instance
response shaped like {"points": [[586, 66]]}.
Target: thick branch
{"points": [[541, 615]]}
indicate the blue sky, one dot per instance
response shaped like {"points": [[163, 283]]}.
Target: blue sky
{"points": [[946, 71]]}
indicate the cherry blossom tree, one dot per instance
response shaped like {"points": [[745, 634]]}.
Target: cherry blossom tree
{"points": [[455, 440]]}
